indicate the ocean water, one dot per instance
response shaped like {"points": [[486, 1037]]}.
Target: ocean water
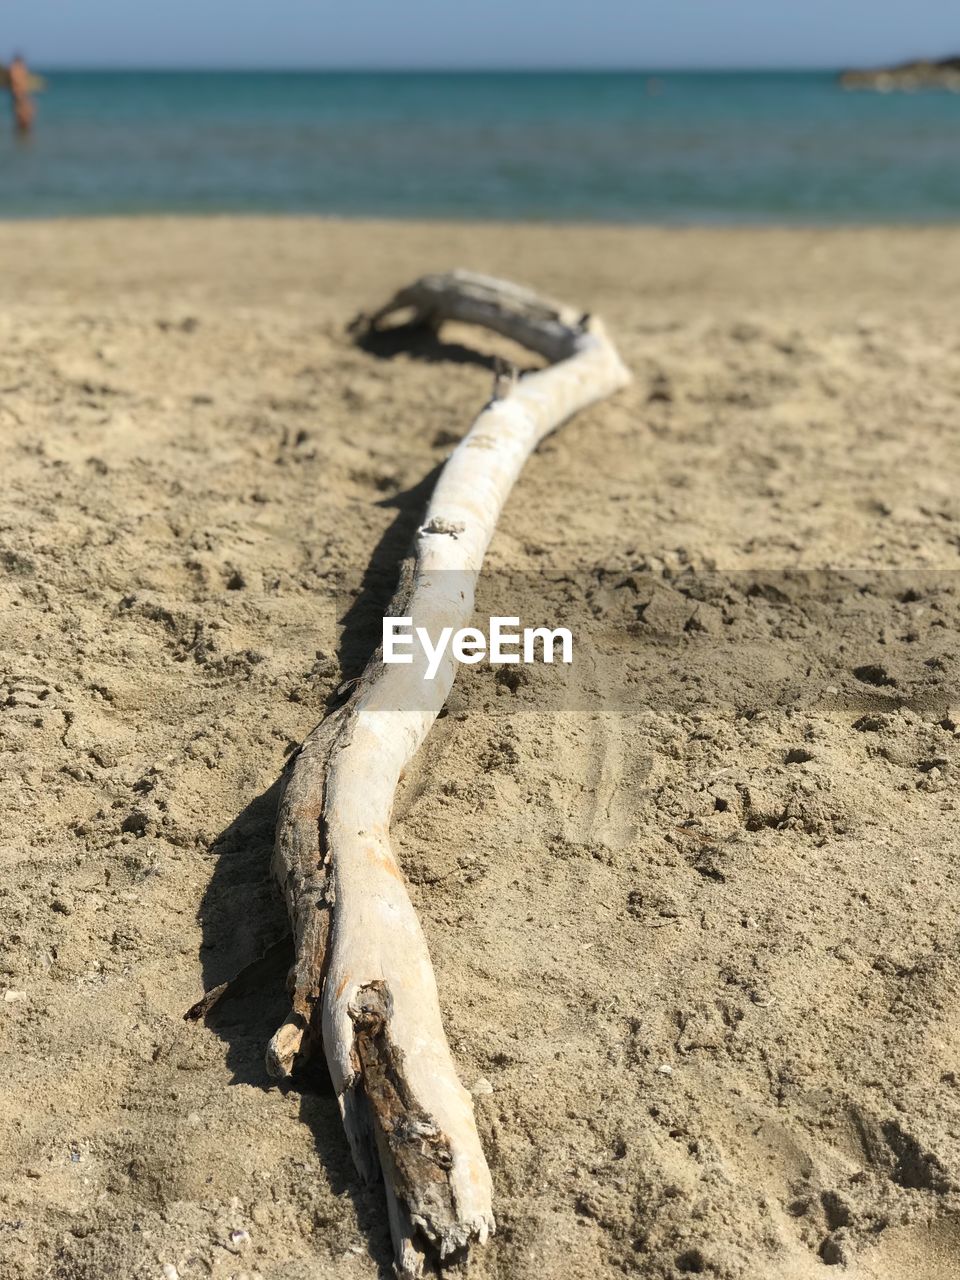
{"points": [[677, 148]]}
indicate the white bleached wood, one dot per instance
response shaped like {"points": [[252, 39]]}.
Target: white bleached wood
{"points": [[362, 979]]}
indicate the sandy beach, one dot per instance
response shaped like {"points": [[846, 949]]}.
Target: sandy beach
{"points": [[694, 921]]}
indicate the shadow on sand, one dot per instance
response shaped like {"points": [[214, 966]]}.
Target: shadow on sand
{"points": [[246, 940], [420, 341]]}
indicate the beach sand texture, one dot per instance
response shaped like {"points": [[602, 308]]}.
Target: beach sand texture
{"points": [[696, 940]]}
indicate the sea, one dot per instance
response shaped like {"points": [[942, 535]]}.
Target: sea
{"points": [[654, 147]]}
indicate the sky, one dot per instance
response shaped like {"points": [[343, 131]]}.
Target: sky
{"points": [[488, 33]]}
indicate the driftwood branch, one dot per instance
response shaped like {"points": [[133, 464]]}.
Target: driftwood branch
{"points": [[362, 984]]}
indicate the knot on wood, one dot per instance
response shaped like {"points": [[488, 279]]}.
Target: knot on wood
{"points": [[369, 1014], [437, 524], [505, 376]]}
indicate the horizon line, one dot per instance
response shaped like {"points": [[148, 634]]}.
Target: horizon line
{"points": [[453, 69]]}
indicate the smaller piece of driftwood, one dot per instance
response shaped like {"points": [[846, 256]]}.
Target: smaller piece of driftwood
{"points": [[362, 984]]}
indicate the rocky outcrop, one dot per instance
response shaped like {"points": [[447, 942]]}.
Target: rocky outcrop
{"points": [[907, 76]]}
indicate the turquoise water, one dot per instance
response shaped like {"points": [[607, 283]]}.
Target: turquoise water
{"points": [[612, 147]]}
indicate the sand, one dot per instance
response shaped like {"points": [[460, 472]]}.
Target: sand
{"points": [[692, 909]]}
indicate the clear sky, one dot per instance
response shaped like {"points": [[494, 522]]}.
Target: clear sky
{"points": [[481, 33]]}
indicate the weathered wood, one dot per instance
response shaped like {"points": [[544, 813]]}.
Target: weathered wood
{"points": [[362, 982]]}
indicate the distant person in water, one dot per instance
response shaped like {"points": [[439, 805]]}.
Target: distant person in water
{"points": [[19, 82]]}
